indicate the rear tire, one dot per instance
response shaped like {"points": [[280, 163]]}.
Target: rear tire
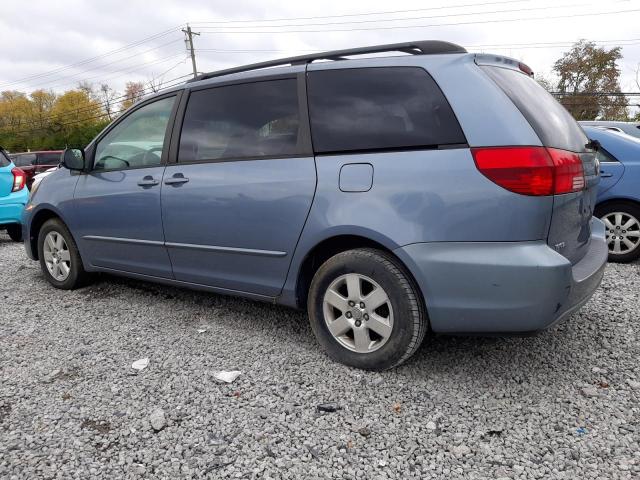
{"points": [[365, 310], [15, 232], [59, 256], [622, 223]]}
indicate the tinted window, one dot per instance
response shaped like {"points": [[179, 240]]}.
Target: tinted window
{"points": [[603, 156], [250, 120], [138, 140], [379, 108], [4, 160], [49, 158], [553, 124], [24, 160]]}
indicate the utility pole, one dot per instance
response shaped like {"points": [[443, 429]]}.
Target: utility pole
{"points": [[189, 42]]}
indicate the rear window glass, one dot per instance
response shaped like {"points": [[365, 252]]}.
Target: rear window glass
{"points": [[4, 160], [553, 124], [379, 108], [51, 158], [24, 160]]}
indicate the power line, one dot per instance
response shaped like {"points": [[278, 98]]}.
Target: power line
{"points": [[387, 12], [394, 27], [97, 67], [464, 14], [127, 69], [558, 43], [103, 104], [96, 117], [92, 59], [597, 94]]}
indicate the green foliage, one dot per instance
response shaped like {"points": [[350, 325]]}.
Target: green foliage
{"points": [[44, 120], [586, 70]]}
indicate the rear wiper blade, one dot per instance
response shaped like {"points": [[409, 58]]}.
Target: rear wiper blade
{"points": [[593, 145]]}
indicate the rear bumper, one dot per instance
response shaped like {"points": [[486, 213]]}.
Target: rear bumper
{"points": [[503, 287], [12, 205]]}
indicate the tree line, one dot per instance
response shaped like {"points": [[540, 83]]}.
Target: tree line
{"points": [[586, 81], [45, 120]]}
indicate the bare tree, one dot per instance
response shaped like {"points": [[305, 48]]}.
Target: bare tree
{"points": [[155, 84], [87, 87], [108, 96]]}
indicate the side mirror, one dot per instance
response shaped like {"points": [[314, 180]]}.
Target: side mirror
{"points": [[73, 158]]}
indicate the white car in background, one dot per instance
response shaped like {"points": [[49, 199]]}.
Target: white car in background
{"points": [[38, 178]]}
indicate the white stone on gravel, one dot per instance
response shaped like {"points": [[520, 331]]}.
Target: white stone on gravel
{"points": [[590, 392], [157, 419], [633, 384], [227, 376], [140, 364]]}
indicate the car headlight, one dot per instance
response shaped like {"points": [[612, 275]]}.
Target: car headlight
{"points": [[34, 189]]}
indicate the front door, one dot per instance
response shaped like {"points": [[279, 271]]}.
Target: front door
{"points": [[116, 211], [236, 201], [611, 170]]}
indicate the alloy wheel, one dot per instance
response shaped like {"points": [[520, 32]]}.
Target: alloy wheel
{"points": [[57, 256], [623, 232], [358, 313]]}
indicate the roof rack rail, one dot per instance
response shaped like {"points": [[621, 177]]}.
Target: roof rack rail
{"points": [[424, 47]]}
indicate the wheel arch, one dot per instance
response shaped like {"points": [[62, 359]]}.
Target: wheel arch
{"points": [[37, 221], [609, 201], [331, 246]]}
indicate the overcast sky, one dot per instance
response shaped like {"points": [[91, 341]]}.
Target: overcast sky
{"points": [[39, 39]]}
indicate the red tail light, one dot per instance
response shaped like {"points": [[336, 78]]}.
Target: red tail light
{"points": [[19, 179], [531, 170]]}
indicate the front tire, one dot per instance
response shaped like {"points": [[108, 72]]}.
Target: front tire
{"points": [[15, 232], [622, 223], [59, 256], [365, 310]]}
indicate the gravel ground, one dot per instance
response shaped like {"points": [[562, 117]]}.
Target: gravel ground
{"points": [[564, 404]]}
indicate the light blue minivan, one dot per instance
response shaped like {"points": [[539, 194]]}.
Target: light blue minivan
{"points": [[431, 189]]}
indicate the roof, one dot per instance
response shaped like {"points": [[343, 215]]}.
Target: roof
{"points": [[423, 47]]}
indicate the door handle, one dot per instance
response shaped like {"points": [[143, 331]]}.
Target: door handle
{"points": [[177, 179], [605, 174], [148, 181]]}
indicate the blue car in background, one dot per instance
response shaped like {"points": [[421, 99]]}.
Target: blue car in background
{"points": [[618, 203], [13, 197], [630, 128]]}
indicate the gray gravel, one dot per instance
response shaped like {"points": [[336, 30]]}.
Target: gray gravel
{"points": [[564, 404]]}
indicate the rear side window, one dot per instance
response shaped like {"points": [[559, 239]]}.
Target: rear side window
{"points": [[48, 158], [250, 120], [25, 160], [605, 157], [4, 160], [553, 124], [379, 108]]}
